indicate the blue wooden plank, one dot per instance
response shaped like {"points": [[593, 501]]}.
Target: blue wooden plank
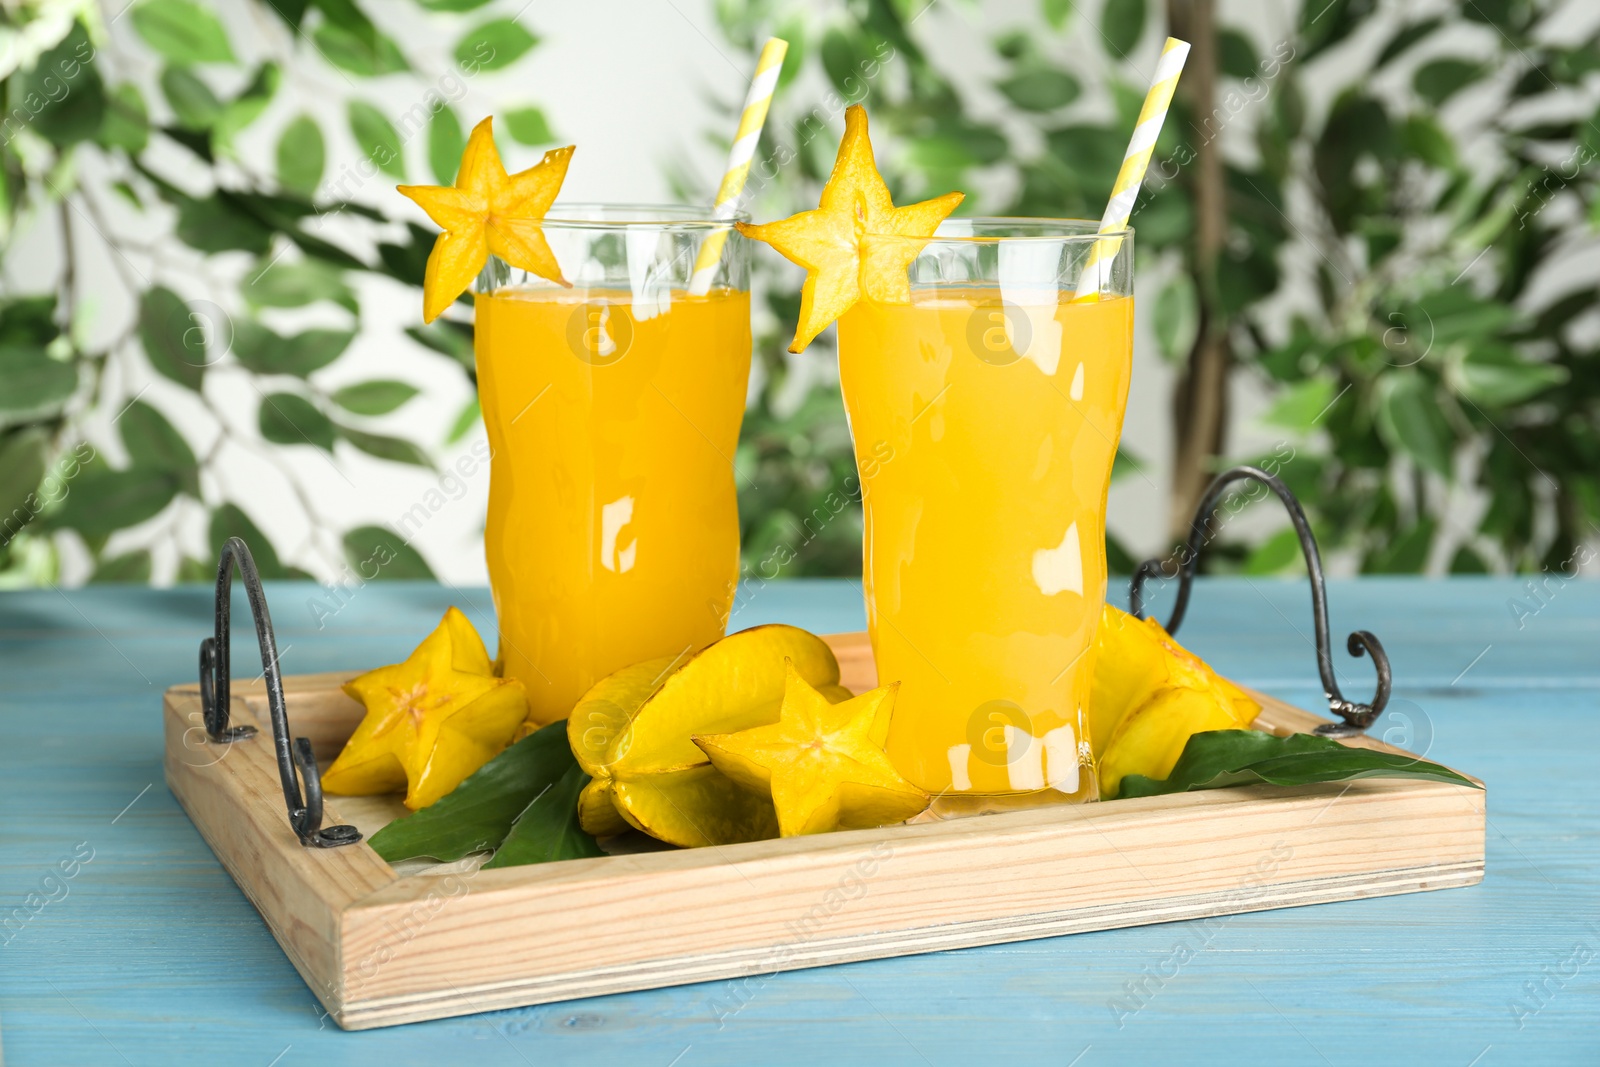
{"points": [[149, 953]]}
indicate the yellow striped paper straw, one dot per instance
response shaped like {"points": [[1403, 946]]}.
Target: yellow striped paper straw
{"points": [[751, 120], [1134, 164]]}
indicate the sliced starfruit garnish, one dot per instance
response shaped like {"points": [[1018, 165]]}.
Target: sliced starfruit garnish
{"points": [[822, 763], [431, 721], [486, 211], [827, 242], [1149, 696], [631, 733]]}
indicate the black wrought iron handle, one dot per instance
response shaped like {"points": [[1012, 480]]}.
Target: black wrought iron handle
{"points": [[305, 813], [1356, 717]]}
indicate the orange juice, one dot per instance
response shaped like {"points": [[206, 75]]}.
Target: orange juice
{"points": [[612, 534], [985, 435]]}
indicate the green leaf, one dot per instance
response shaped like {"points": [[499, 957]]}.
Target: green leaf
{"points": [[291, 419], [377, 138], [355, 54], [376, 552], [1439, 80], [494, 45], [1298, 407], [213, 224], [35, 386], [100, 501], [393, 449], [301, 155], [1276, 554], [1409, 419], [153, 443], [1236, 55], [1406, 553], [452, 5], [1121, 26], [22, 466], [446, 338], [478, 814], [1040, 89], [1056, 12], [292, 285], [245, 108], [126, 123], [465, 420], [1495, 375], [1215, 759], [183, 30], [62, 96], [1404, 38], [548, 830], [133, 567], [229, 520], [1421, 137], [265, 352], [174, 337], [446, 141], [1176, 317], [377, 397], [527, 125], [192, 100]]}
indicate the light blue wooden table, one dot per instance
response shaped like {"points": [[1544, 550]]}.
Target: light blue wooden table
{"points": [[148, 954]]}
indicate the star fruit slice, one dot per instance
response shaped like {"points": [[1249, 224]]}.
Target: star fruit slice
{"points": [[430, 721], [841, 263], [488, 211], [822, 763], [632, 734], [1149, 696]]}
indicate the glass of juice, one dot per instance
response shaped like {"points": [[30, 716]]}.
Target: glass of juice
{"points": [[985, 404], [612, 406]]}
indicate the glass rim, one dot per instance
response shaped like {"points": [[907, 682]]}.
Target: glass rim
{"points": [[589, 215], [1057, 231]]}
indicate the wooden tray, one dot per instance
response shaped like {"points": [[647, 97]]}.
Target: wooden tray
{"points": [[381, 946]]}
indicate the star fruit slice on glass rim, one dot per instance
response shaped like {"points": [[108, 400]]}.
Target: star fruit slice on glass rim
{"points": [[486, 211], [827, 242]]}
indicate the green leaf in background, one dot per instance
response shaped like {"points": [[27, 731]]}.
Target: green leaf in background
{"points": [[1440, 79], [446, 141], [126, 123], [1405, 37], [154, 444], [527, 125], [174, 337], [100, 501], [291, 419], [1121, 26], [1176, 317], [1494, 375], [393, 449], [1041, 89], [548, 830], [191, 99], [478, 814], [229, 520], [1219, 758], [446, 338], [452, 5], [1056, 12], [129, 567], [211, 224], [1298, 407], [377, 137], [34, 384], [261, 350], [292, 285], [61, 117], [1276, 554], [494, 45], [1409, 420], [22, 465], [301, 155], [1236, 55], [1405, 553], [356, 54], [466, 419], [375, 552], [245, 108], [377, 397], [182, 30]]}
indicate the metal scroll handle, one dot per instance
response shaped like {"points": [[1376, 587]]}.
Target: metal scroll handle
{"points": [[1357, 717], [305, 814]]}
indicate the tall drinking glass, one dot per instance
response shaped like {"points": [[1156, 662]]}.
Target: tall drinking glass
{"points": [[985, 405], [613, 409]]}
